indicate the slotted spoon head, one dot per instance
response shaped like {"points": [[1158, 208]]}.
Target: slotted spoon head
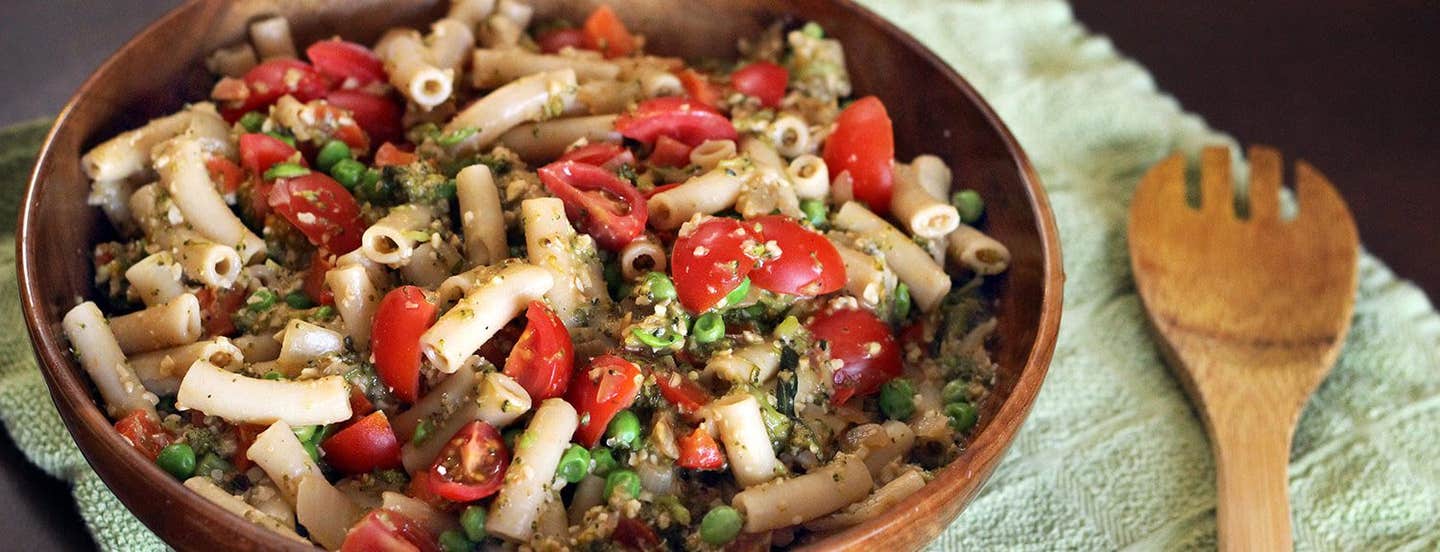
{"points": [[1251, 313]]}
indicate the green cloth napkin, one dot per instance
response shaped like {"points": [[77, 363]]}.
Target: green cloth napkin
{"points": [[1112, 455]]}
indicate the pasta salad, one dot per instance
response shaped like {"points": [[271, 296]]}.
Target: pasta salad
{"points": [[519, 283]]}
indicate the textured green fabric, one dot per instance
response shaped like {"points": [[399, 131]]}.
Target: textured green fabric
{"points": [[1112, 456]]}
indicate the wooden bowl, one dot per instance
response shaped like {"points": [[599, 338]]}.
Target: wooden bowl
{"points": [[934, 110]]}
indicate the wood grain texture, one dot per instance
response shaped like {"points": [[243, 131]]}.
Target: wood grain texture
{"points": [[161, 69], [1252, 313]]}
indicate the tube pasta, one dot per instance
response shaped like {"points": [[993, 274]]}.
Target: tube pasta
{"points": [[706, 194], [278, 452], [181, 164], [235, 505], [434, 521], [589, 493], [156, 278], [103, 359], [160, 371], [412, 70], [431, 264], [498, 31], [392, 240], [810, 177], [258, 348], [482, 220], [241, 399], [656, 83], [572, 260], [128, 154], [883, 499], [233, 61], [271, 37], [518, 12], [761, 153], [978, 251], [447, 396], [492, 68], [472, 12], [711, 152], [787, 502], [528, 484], [531, 98], [211, 264], [303, 342], [378, 275], [482, 312], [356, 299], [933, 175], [923, 214], [605, 97], [547, 140], [751, 364], [894, 443], [450, 40], [747, 444], [928, 282], [157, 218], [174, 322], [791, 136], [640, 256], [326, 513], [496, 400]]}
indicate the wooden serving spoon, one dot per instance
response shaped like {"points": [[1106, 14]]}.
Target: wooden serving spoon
{"points": [[1252, 313]]}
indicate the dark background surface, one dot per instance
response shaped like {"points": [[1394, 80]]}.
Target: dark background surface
{"points": [[1347, 85]]}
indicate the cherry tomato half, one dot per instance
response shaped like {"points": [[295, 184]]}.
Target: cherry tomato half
{"points": [[685, 393], [346, 63], [403, 315], [258, 152], [600, 203], [314, 285], [710, 260], [364, 446], [543, 358], [471, 466], [699, 87], [699, 451], [321, 209], [865, 346], [762, 79], [605, 155], [683, 119], [864, 145], [605, 33], [225, 174], [384, 530], [379, 116], [808, 264], [272, 79], [669, 152], [608, 386], [217, 309], [143, 432]]}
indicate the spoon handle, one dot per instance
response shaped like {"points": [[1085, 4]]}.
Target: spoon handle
{"points": [[1252, 458]]}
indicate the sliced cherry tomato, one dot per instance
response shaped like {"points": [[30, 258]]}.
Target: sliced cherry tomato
{"points": [[808, 264], [605, 155], [710, 260], [699, 87], [497, 349], [685, 393], [403, 315], [379, 116], [364, 446], [605, 33], [258, 152], [315, 279], [699, 451], [217, 309], [272, 79], [864, 145], [143, 432], [360, 405], [555, 40], [472, 465], [633, 534], [226, 175], [865, 346], [669, 152], [245, 435], [762, 79], [321, 209], [683, 119], [384, 530], [346, 63], [608, 386], [390, 155], [543, 358], [599, 202]]}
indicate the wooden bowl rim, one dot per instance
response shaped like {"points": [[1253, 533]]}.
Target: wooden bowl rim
{"points": [[113, 457]]}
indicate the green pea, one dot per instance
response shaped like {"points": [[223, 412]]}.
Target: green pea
{"points": [[813, 30], [720, 525], [626, 481], [605, 461], [955, 391], [574, 464], [177, 459], [253, 121], [285, 170], [289, 140], [298, 300], [312, 449], [970, 205], [624, 430], [273, 376], [422, 430], [331, 153], [454, 541], [324, 313], [473, 523], [665, 340], [962, 415], [210, 464], [902, 301], [897, 399], [348, 173], [456, 136], [260, 301], [304, 433], [738, 294], [660, 286], [815, 211], [709, 328]]}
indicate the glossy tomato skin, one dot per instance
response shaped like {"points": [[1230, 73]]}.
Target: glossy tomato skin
{"points": [[403, 315], [321, 209], [605, 33], [347, 64], [383, 530], [143, 432], [699, 451], [314, 285], [669, 152], [471, 466], [600, 203], [865, 346], [225, 173], [808, 264], [685, 393], [272, 79], [608, 386], [555, 40], [259, 152], [762, 79], [864, 145], [543, 358], [710, 260], [601, 154], [699, 87], [378, 116], [683, 119], [364, 446]]}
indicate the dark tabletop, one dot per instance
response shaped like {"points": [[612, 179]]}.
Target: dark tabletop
{"points": [[1346, 85]]}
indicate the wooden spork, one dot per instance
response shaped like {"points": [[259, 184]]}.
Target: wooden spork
{"points": [[1251, 313]]}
